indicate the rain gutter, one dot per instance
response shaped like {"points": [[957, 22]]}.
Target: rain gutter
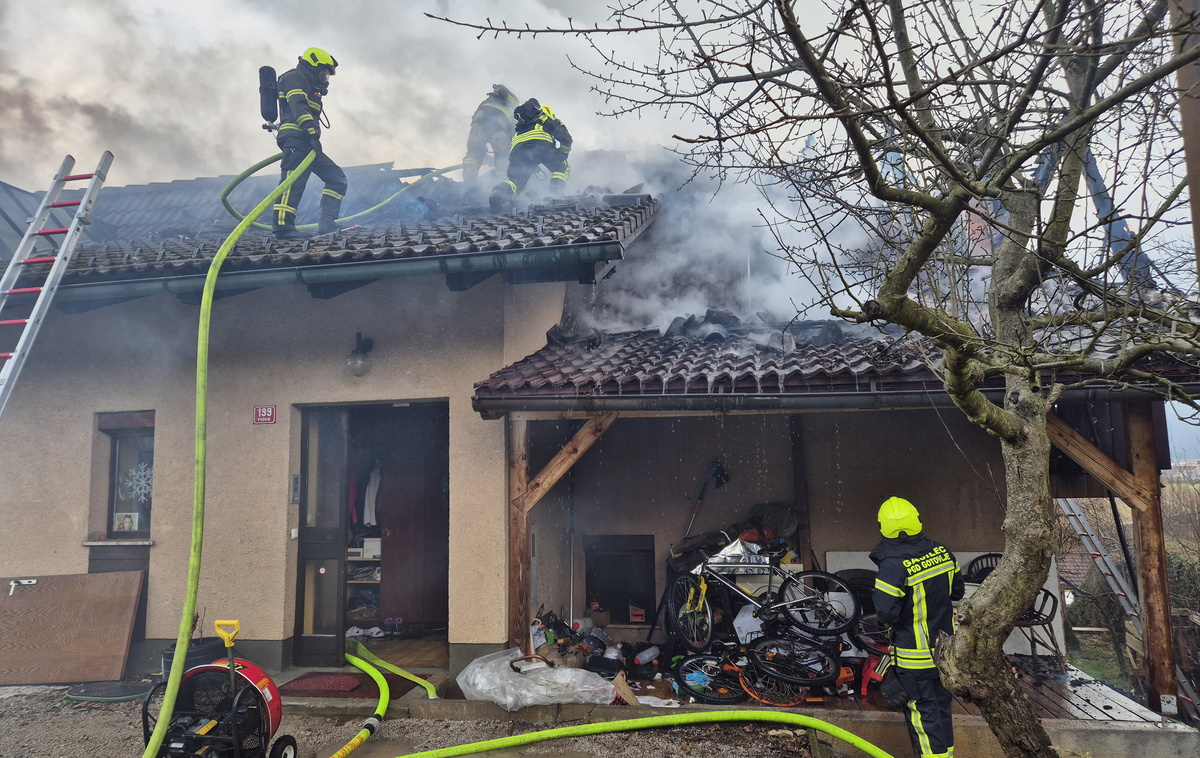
{"points": [[492, 405], [592, 252]]}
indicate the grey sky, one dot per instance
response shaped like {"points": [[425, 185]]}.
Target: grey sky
{"points": [[171, 87]]}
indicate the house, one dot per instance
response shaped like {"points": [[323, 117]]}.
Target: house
{"points": [[96, 457], [524, 460]]}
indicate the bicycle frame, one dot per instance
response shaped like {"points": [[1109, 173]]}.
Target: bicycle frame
{"points": [[705, 572]]}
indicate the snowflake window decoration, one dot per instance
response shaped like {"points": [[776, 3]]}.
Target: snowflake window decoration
{"points": [[139, 483]]}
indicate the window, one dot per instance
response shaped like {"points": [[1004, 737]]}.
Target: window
{"points": [[131, 477]]}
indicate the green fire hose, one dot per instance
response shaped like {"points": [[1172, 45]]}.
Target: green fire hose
{"points": [[362, 651], [193, 578], [372, 723], [299, 170], [654, 722]]}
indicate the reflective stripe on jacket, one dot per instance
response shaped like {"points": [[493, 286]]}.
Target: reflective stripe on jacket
{"points": [[545, 128], [917, 580], [299, 103]]}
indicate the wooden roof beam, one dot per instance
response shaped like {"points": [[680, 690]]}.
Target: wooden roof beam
{"points": [[563, 460], [1093, 460]]}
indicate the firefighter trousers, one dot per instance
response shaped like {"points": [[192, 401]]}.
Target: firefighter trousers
{"points": [[284, 215], [480, 137], [527, 156], [928, 714]]}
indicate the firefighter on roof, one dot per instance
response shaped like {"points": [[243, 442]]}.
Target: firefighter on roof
{"points": [[492, 124], [300, 93], [917, 579], [540, 138]]}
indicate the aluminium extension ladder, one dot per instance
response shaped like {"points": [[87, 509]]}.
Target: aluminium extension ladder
{"points": [[11, 363], [1092, 544]]}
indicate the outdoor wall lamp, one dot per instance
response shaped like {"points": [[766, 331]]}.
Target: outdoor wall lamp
{"points": [[359, 362]]}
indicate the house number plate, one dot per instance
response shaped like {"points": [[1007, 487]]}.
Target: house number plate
{"points": [[264, 414]]}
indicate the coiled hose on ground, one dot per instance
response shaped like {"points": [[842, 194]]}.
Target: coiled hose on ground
{"points": [[372, 723], [268, 161]]}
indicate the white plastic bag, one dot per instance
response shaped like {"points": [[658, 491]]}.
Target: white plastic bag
{"points": [[491, 678]]}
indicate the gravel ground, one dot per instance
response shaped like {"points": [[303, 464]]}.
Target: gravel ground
{"points": [[34, 725]]}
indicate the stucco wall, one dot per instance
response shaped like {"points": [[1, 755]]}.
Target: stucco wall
{"points": [[276, 346], [855, 461]]}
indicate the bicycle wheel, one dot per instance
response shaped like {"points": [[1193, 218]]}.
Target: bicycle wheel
{"points": [[870, 634], [690, 613], [819, 603], [771, 691], [794, 661], [710, 679]]}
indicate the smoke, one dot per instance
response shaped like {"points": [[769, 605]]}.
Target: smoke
{"points": [[171, 88]]}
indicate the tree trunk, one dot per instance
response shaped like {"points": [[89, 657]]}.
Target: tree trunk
{"points": [[972, 662]]}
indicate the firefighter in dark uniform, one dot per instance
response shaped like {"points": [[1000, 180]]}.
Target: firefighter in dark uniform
{"points": [[492, 124], [917, 579], [539, 139], [300, 93]]}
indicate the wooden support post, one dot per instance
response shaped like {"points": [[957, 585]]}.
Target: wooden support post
{"points": [[1134, 491], [1158, 638], [518, 537], [563, 460]]}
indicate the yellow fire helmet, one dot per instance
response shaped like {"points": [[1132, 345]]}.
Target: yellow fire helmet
{"points": [[548, 111], [315, 56], [897, 515]]}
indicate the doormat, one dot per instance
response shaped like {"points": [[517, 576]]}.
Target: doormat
{"points": [[351, 684]]}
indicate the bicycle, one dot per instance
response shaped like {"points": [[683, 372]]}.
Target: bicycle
{"points": [[728, 678], [817, 602]]}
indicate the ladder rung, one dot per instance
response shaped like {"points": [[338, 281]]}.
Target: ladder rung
{"points": [[77, 177], [47, 232], [28, 261], [22, 291], [14, 322], [65, 203]]}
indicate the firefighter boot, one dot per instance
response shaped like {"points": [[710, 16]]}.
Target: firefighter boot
{"points": [[290, 232], [328, 225], [503, 192]]}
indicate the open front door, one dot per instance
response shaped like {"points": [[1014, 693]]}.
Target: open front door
{"points": [[320, 604]]}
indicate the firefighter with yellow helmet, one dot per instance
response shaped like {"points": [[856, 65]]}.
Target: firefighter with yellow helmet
{"points": [[917, 580], [300, 110], [492, 124], [539, 139]]}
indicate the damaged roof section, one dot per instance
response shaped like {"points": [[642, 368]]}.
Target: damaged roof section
{"points": [[713, 357], [715, 364]]}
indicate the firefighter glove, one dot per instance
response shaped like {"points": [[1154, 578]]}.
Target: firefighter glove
{"points": [[315, 142]]}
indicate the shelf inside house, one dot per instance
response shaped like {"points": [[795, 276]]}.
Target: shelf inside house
{"points": [[362, 581]]}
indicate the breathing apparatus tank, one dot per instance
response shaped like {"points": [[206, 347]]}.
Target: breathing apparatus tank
{"points": [[268, 97]]}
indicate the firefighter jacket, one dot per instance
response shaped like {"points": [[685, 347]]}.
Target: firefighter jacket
{"points": [[917, 579], [546, 128], [493, 114], [299, 103]]}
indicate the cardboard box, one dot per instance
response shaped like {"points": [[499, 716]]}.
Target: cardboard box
{"points": [[354, 552], [371, 547], [601, 618]]}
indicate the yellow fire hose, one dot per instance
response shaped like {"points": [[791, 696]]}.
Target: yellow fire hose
{"points": [[193, 578], [299, 170]]}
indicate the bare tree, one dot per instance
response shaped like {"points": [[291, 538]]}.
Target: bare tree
{"points": [[1004, 179]]}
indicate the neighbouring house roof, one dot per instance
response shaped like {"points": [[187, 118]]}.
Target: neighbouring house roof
{"points": [[1074, 565], [162, 237]]}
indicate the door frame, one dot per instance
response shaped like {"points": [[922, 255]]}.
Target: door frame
{"points": [[316, 543]]}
